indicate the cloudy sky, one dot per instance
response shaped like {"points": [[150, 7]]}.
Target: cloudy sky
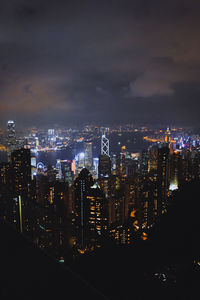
{"points": [[70, 62]]}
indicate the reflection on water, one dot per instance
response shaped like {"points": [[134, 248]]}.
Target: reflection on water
{"points": [[49, 158]]}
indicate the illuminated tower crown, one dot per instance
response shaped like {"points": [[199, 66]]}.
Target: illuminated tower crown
{"points": [[104, 142]]}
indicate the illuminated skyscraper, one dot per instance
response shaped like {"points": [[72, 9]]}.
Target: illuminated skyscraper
{"points": [[167, 136], [144, 163], [80, 162], [82, 185], [104, 170], [98, 210], [33, 165], [95, 167], [88, 155], [51, 134], [11, 138], [58, 169], [67, 172], [159, 176], [90, 212], [104, 143], [21, 164]]}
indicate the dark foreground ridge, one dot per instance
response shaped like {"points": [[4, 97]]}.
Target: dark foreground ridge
{"points": [[160, 268], [28, 273]]}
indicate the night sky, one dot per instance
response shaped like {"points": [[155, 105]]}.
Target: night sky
{"points": [[70, 62]]}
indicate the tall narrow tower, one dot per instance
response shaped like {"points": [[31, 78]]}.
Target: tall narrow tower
{"points": [[104, 142], [11, 138], [167, 135], [88, 155]]}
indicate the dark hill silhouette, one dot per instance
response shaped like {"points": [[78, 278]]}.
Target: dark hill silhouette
{"points": [[119, 272], [171, 249], [28, 273]]}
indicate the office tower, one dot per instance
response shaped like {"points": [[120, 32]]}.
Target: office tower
{"points": [[153, 158], [98, 210], [21, 165], [33, 165], [95, 167], [104, 174], [37, 142], [82, 185], [104, 142], [163, 176], [51, 135], [61, 198], [144, 163], [159, 176], [107, 183], [128, 167], [88, 155], [51, 174], [58, 170], [104, 169], [67, 173], [175, 170], [147, 194], [80, 162], [167, 136], [114, 164], [11, 138], [5, 175], [45, 190], [90, 212]]}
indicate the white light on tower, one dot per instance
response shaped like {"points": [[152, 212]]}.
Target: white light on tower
{"points": [[104, 143], [173, 185]]}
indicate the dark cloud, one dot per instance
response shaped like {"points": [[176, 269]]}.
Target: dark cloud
{"points": [[109, 61]]}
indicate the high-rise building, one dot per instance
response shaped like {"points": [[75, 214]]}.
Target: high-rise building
{"points": [[33, 165], [175, 170], [106, 183], [88, 155], [95, 167], [82, 185], [58, 169], [79, 162], [159, 176], [11, 138], [98, 210], [104, 169], [21, 165], [144, 163], [67, 172], [104, 142], [5, 174], [61, 198], [167, 136], [90, 212], [51, 135]]}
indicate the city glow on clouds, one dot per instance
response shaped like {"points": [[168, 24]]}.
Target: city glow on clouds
{"points": [[67, 61]]}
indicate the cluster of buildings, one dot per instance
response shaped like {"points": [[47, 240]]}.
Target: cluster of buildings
{"points": [[78, 205]]}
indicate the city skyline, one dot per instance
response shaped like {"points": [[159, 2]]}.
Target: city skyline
{"points": [[128, 61], [99, 149], [83, 194]]}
